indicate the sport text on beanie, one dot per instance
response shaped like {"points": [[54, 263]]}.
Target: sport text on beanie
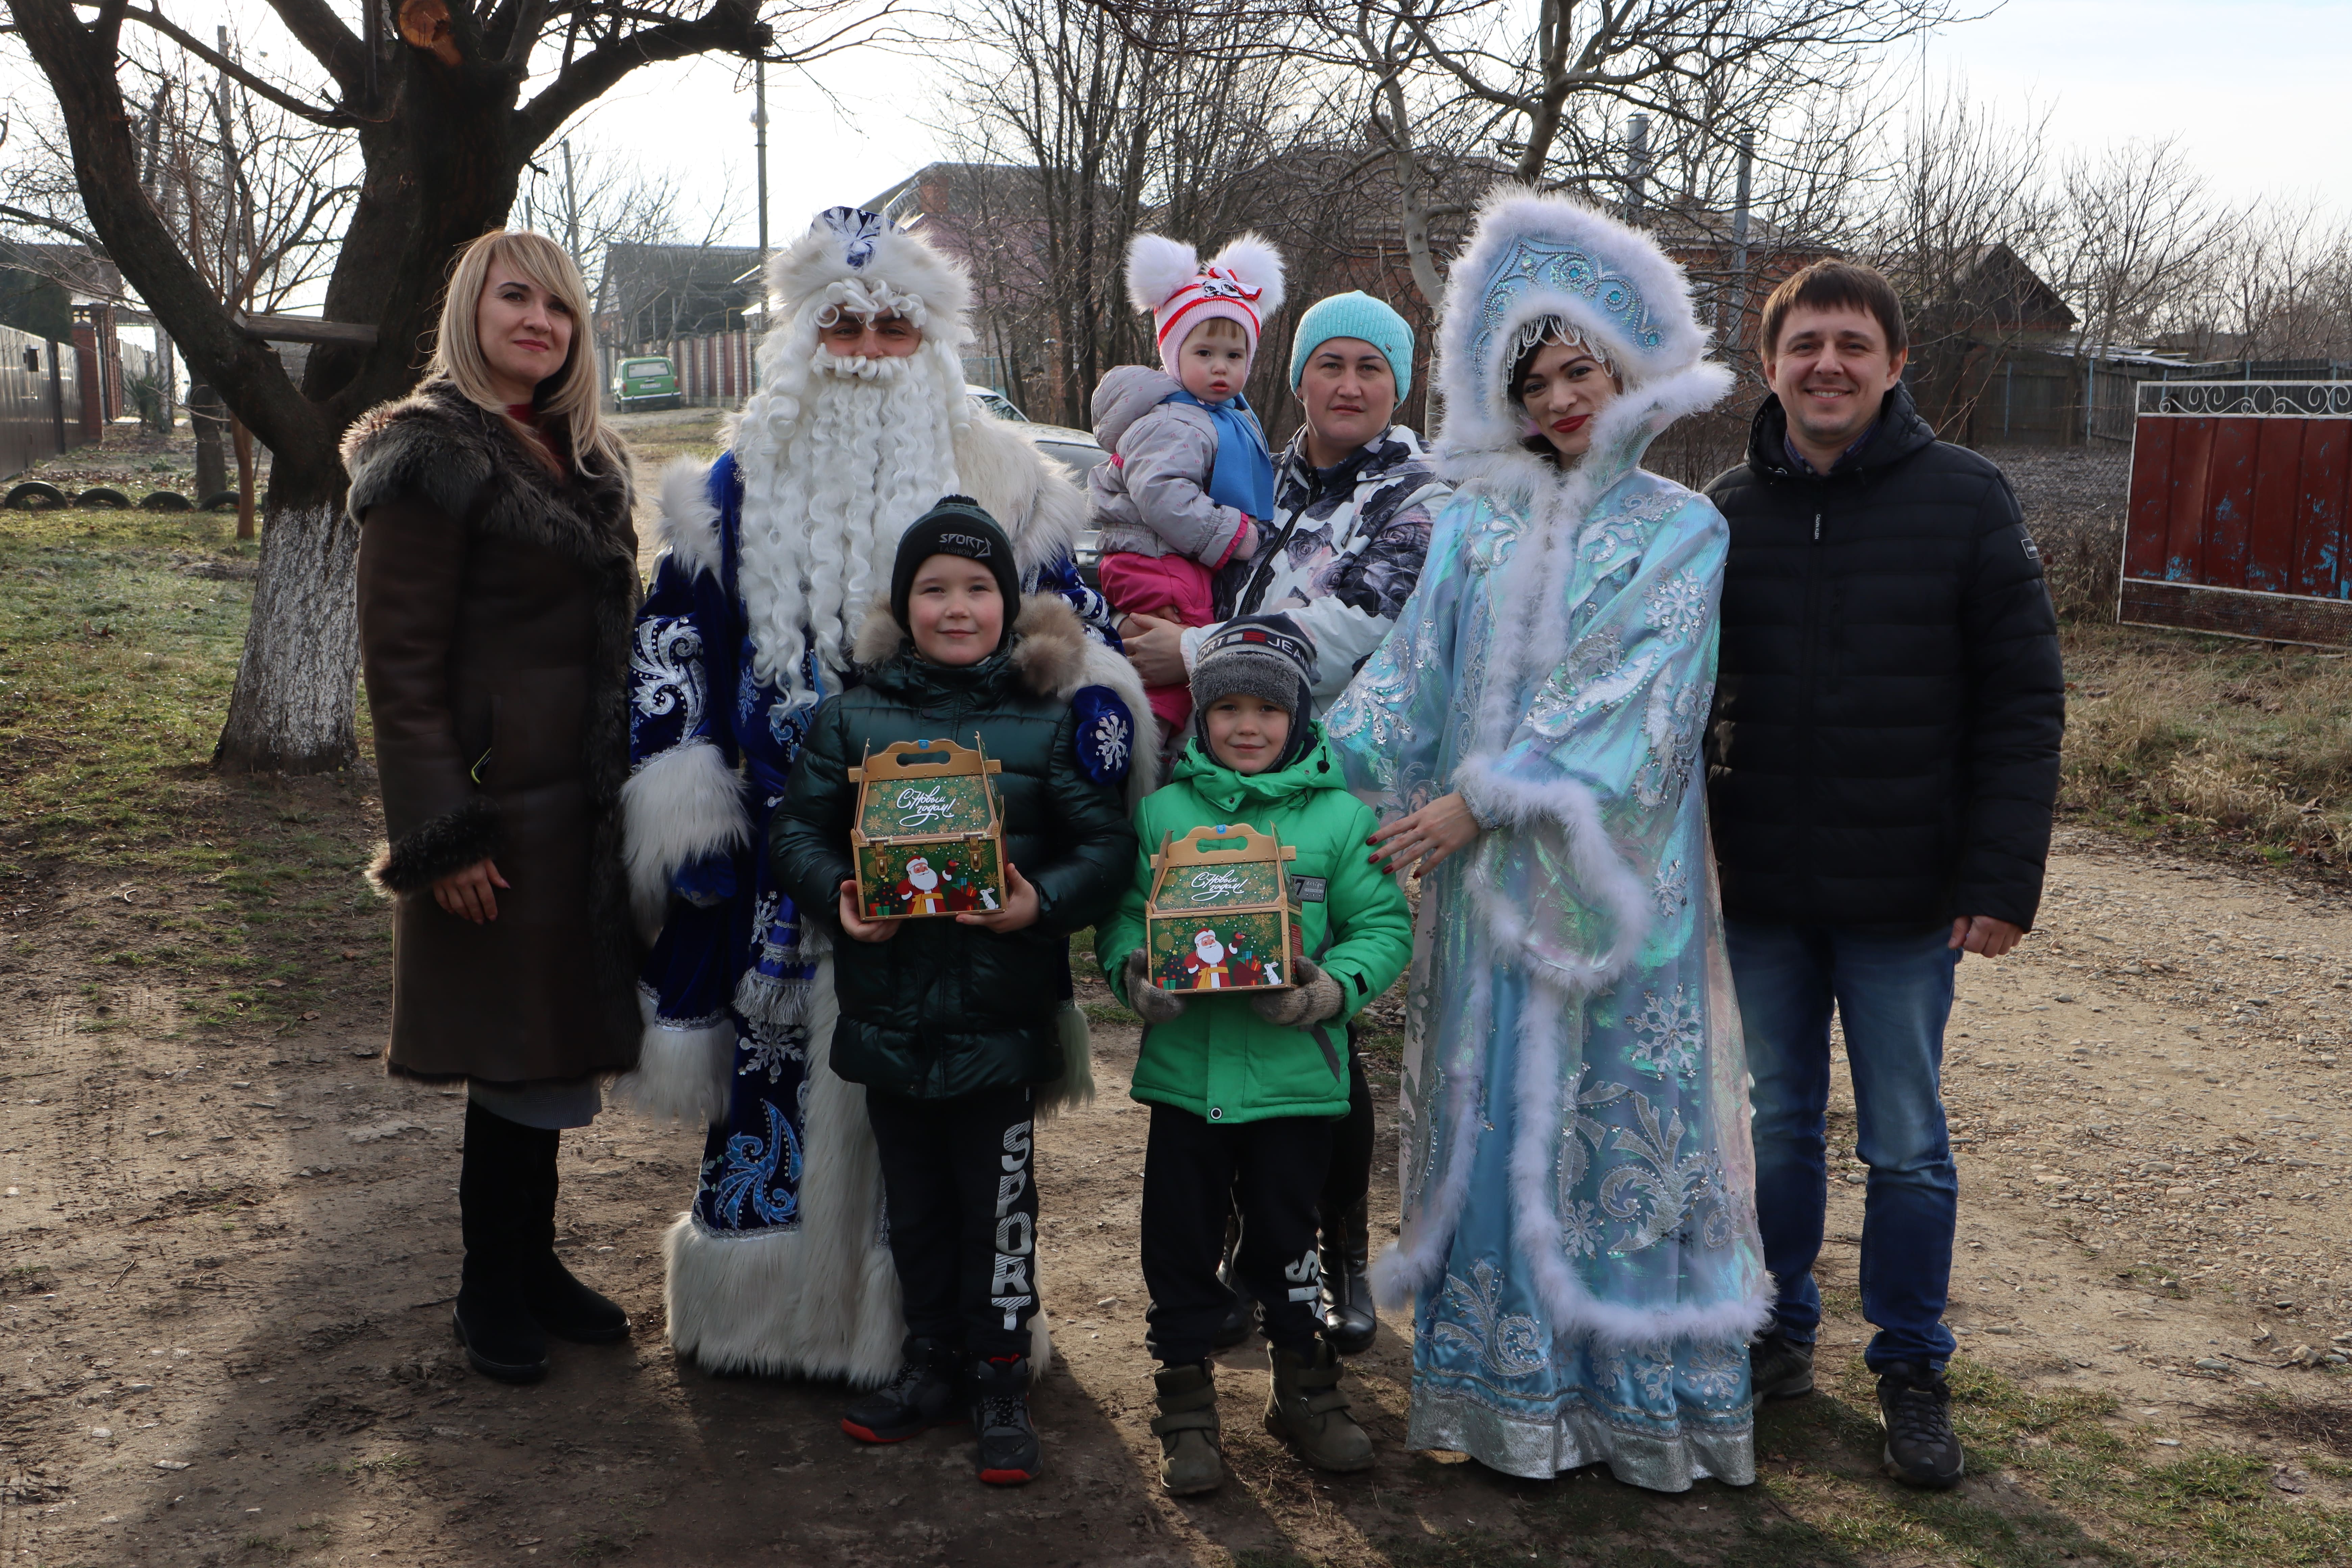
{"points": [[1166, 279], [956, 525]]}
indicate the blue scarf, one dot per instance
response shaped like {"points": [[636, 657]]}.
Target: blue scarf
{"points": [[1243, 475]]}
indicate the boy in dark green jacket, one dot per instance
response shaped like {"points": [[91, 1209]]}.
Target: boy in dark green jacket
{"points": [[1249, 1085], [951, 1023]]}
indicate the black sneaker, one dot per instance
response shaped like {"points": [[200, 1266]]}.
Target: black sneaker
{"points": [[1921, 1447], [999, 1419], [1779, 1367], [921, 1395]]}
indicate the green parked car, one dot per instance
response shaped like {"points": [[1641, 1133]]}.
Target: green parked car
{"points": [[648, 381]]}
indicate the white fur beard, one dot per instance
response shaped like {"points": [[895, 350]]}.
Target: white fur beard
{"points": [[834, 468]]}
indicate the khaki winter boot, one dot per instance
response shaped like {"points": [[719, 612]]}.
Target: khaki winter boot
{"points": [[1190, 1462], [1306, 1408]]}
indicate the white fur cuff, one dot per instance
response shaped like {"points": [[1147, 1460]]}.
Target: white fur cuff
{"points": [[681, 1074], [683, 803], [689, 523]]}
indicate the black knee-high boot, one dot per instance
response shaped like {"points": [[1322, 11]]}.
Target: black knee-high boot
{"points": [[496, 1201], [561, 1303], [1350, 1319]]}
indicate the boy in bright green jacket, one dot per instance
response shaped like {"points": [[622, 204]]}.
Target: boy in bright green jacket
{"points": [[1244, 1087]]}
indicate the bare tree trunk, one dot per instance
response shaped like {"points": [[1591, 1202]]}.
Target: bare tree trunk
{"points": [[1413, 207], [207, 418], [443, 141], [293, 709], [241, 439]]}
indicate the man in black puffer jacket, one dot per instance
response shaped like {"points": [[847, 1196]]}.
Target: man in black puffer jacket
{"points": [[1883, 765], [951, 1023]]}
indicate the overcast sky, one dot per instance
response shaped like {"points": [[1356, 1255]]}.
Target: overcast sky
{"points": [[2252, 86]]}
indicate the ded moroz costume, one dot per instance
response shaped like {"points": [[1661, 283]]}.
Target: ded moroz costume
{"points": [[1579, 1235], [775, 554]]}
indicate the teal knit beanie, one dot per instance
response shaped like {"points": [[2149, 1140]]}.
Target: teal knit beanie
{"points": [[1355, 314]]}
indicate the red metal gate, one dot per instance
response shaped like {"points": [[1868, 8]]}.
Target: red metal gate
{"points": [[2241, 510]]}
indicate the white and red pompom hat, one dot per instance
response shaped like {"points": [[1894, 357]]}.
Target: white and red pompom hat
{"points": [[1165, 278]]}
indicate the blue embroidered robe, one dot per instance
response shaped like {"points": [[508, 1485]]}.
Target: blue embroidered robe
{"points": [[733, 957]]}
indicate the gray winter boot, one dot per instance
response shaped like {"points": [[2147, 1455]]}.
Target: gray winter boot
{"points": [[1190, 1460], [1306, 1408]]}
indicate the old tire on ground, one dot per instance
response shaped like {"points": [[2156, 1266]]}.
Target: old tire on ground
{"points": [[166, 500], [220, 500], [33, 494], [102, 495]]}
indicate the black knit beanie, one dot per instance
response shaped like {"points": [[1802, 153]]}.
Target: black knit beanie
{"points": [[956, 525], [1265, 656]]}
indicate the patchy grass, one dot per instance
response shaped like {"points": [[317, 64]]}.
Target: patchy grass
{"points": [[2211, 741], [657, 439], [115, 669], [120, 633]]}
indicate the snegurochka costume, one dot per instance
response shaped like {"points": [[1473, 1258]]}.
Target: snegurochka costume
{"points": [[774, 554], [1579, 1237]]}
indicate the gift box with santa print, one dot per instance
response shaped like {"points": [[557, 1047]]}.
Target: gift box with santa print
{"points": [[1221, 916], [929, 838]]}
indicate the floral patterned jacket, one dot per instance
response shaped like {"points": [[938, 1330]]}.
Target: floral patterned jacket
{"points": [[1341, 553]]}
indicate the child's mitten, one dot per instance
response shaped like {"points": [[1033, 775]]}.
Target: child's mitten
{"points": [[1150, 1003], [1315, 998]]}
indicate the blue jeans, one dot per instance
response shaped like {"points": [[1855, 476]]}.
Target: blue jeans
{"points": [[1894, 995]]}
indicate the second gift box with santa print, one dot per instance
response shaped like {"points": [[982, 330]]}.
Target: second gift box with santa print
{"points": [[1221, 916], [929, 838]]}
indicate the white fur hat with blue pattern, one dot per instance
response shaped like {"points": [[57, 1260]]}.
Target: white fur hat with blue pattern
{"points": [[1534, 259]]}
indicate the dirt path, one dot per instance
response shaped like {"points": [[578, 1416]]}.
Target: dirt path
{"points": [[231, 1242]]}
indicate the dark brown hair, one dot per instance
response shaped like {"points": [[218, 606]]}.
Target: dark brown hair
{"points": [[1827, 285]]}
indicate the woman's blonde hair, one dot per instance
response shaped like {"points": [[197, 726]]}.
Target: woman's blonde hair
{"points": [[572, 397]]}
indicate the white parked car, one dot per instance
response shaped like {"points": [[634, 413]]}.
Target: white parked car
{"points": [[1075, 451], [995, 402]]}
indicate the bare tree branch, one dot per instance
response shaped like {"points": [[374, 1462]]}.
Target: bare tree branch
{"points": [[317, 113]]}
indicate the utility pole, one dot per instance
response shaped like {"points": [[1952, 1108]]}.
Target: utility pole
{"points": [[1637, 161], [571, 206], [1739, 245], [759, 123]]}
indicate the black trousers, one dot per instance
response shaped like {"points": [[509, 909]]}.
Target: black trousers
{"points": [[1273, 1172], [962, 1197], [1352, 1142]]}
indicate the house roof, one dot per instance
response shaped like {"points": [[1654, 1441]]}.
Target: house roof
{"points": [[692, 282], [87, 276], [961, 189]]}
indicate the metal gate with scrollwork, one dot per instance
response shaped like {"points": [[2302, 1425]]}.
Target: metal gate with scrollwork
{"points": [[2241, 511]]}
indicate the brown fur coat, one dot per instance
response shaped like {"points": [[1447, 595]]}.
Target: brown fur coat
{"points": [[496, 601]]}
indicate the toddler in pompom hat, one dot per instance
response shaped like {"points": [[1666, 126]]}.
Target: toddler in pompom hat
{"points": [[1190, 478]]}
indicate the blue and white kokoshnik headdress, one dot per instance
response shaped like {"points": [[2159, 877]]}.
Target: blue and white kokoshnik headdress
{"points": [[1537, 259]]}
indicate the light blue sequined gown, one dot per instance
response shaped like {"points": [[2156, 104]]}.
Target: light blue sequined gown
{"points": [[1579, 1232]]}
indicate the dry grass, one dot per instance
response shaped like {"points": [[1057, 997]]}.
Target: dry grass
{"points": [[2240, 744]]}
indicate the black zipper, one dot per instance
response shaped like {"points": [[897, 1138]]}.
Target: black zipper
{"points": [[1808, 661]]}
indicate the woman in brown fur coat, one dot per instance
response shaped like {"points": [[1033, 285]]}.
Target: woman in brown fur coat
{"points": [[497, 584]]}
